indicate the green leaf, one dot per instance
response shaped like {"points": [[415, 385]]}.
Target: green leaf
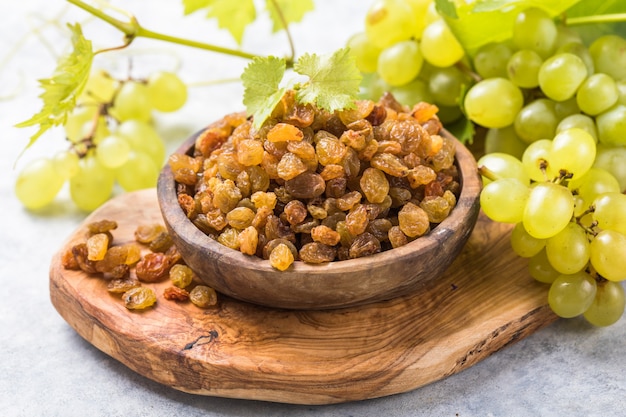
{"points": [[262, 91], [596, 8], [446, 8], [463, 129], [334, 80], [486, 21], [231, 15], [292, 11], [63, 88]]}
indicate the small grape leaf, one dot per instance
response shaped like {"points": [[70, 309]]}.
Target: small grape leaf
{"points": [[262, 92], [334, 80], [447, 8], [462, 129], [231, 15], [292, 11], [63, 88]]}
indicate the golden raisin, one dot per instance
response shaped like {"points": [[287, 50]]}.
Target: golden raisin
{"points": [[181, 275], [203, 296], [281, 257], [413, 220], [139, 298], [153, 267], [97, 246]]}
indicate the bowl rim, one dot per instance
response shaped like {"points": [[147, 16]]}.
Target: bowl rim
{"points": [[463, 210]]}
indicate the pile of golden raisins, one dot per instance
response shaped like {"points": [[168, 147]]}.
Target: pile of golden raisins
{"points": [[316, 186]]}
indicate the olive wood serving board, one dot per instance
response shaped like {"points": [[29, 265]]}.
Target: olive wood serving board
{"points": [[484, 302]]}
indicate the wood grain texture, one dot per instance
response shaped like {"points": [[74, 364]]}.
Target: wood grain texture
{"points": [[484, 302]]}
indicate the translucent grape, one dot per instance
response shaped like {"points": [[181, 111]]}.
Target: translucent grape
{"points": [[113, 151], [594, 183], [568, 250], [100, 132], [167, 92], [573, 150], [549, 209], [493, 102], [76, 120], [535, 157], [581, 51], [581, 121], [607, 255], [66, 163], [138, 172], [612, 126], [92, 185], [536, 120], [609, 55], [613, 160], [504, 140], [571, 295], [597, 94], [446, 85], [503, 200], [132, 101], [99, 89], [621, 91], [540, 269], [411, 93], [400, 63], [566, 108], [608, 305], [534, 29], [610, 211], [142, 137], [503, 165], [38, 183], [364, 51], [561, 75], [523, 68], [524, 244], [388, 22], [490, 61], [420, 9], [565, 35], [439, 45]]}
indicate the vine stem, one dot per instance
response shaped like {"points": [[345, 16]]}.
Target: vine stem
{"points": [[600, 18], [133, 29]]}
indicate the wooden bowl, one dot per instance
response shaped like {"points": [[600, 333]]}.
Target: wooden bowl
{"points": [[378, 277]]}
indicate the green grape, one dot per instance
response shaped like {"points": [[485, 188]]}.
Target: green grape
{"points": [[568, 250], [561, 75], [612, 126], [142, 137], [100, 88], [447, 85], [167, 92], [607, 251], [610, 211], [566, 108], [373, 87], [571, 295], [420, 8], [490, 61], [138, 172], [101, 131], [549, 209], [536, 120], [565, 35], [609, 56], [388, 22], [621, 91], [523, 68], [608, 305], [574, 151], [449, 114], [504, 140], [432, 14], [540, 268], [493, 102], [400, 63], [412, 93], [534, 29], [503, 165], [439, 45], [581, 51], [113, 151], [581, 121], [364, 51], [76, 120], [132, 102], [66, 164], [92, 185], [535, 157], [595, 182], [38, 183], [597, 94], [524, 244], [613, 160], [503, 200]]}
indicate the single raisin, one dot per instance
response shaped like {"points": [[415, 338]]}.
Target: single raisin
{"points": [[203, 296], [139, 298]]}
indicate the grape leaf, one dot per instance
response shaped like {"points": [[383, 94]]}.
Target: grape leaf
{"points": [[231, 15], [64, 87], [334, 80], [292, 11], [262, 91]]}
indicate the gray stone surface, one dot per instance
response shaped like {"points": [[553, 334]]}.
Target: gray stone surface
{"points": [[567, 369]]}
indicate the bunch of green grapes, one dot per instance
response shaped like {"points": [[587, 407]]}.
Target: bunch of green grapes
{"points": [[112, 140], [570, 221]]}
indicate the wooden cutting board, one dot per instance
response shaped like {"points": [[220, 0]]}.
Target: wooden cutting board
{"points": [[484, 302]]}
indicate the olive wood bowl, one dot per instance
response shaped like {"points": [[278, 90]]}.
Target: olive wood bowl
{"points": [[338, 284]]}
